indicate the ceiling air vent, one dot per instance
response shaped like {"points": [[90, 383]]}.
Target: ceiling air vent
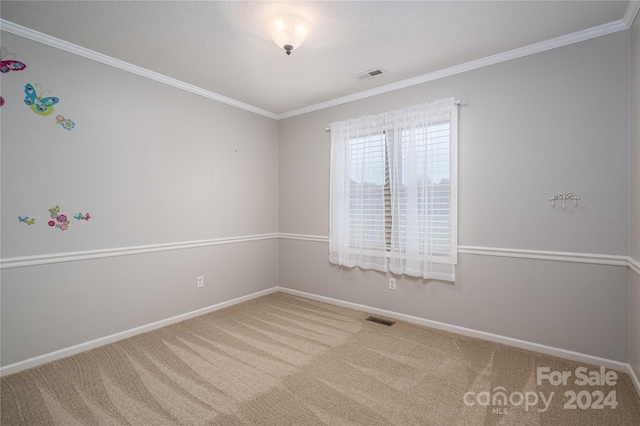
{"points": [[369, 74]]}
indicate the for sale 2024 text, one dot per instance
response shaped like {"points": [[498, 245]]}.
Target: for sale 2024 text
{"points": [[582, 376]]}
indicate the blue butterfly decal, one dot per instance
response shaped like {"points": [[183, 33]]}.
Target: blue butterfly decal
{"points": [[39, 105], [26, 220]]}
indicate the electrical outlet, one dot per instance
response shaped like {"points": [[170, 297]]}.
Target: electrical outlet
{"points": [[200, 281], [392, 283]]}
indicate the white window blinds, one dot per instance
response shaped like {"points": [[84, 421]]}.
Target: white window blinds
{"points": [[358, 182], [393, 191]]}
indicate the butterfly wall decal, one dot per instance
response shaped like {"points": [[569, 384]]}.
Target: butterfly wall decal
{"points": [[26, 220], [54, 211], [80, 217], [38, 104], [7, 65], [60, 221]]}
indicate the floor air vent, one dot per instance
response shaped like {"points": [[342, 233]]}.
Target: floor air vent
{"points": [[380, 321]]}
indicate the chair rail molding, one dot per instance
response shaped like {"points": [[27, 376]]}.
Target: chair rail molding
{"points": [[634, 264], [560, 256], [19, 262]]}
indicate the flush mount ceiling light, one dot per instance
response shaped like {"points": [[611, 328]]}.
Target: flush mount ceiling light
{"points": [[288, 30]]}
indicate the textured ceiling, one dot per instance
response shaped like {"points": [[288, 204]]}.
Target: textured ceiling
{"points": [[223, 46]]}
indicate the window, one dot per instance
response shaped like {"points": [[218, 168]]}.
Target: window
{"points": [[393, 191]]}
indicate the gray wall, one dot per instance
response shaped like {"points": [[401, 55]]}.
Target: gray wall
{"points": [[634, 246], [152, 164], [531, 127]]}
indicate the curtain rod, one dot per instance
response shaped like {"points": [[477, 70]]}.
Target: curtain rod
{"points": [[456, 103]]}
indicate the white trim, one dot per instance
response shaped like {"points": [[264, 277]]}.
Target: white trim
{"points": [[92, 344], [19, 262], [520, 52], [601, 30], [509, 341], [634, 265], [634, 379], [125, 66], [314, 238], [522, 344], [630, 14], [561, 256], [599, 259]]}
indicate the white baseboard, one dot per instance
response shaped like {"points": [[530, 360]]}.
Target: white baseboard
{"points": [[522, 344], [72, 350], [509, 341], [634, 379]]}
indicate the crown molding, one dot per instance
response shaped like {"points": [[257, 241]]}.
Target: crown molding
{"points": [[601, 30], [520, 52], [632, 11], [48, 40]]}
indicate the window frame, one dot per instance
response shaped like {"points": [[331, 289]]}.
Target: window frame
{"points": [[388, 213], [393, 219]]}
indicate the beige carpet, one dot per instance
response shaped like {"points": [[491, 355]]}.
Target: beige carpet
{"points": [[284, 360]]}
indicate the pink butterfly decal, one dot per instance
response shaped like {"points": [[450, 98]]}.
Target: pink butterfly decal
{"points": [[7, 65]]}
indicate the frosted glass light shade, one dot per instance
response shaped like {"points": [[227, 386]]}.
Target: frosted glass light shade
{"points": [[289, 31]]}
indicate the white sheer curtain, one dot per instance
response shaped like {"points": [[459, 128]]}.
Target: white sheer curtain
{"points": [[393, 200], [421, 144], [357, 202]]}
